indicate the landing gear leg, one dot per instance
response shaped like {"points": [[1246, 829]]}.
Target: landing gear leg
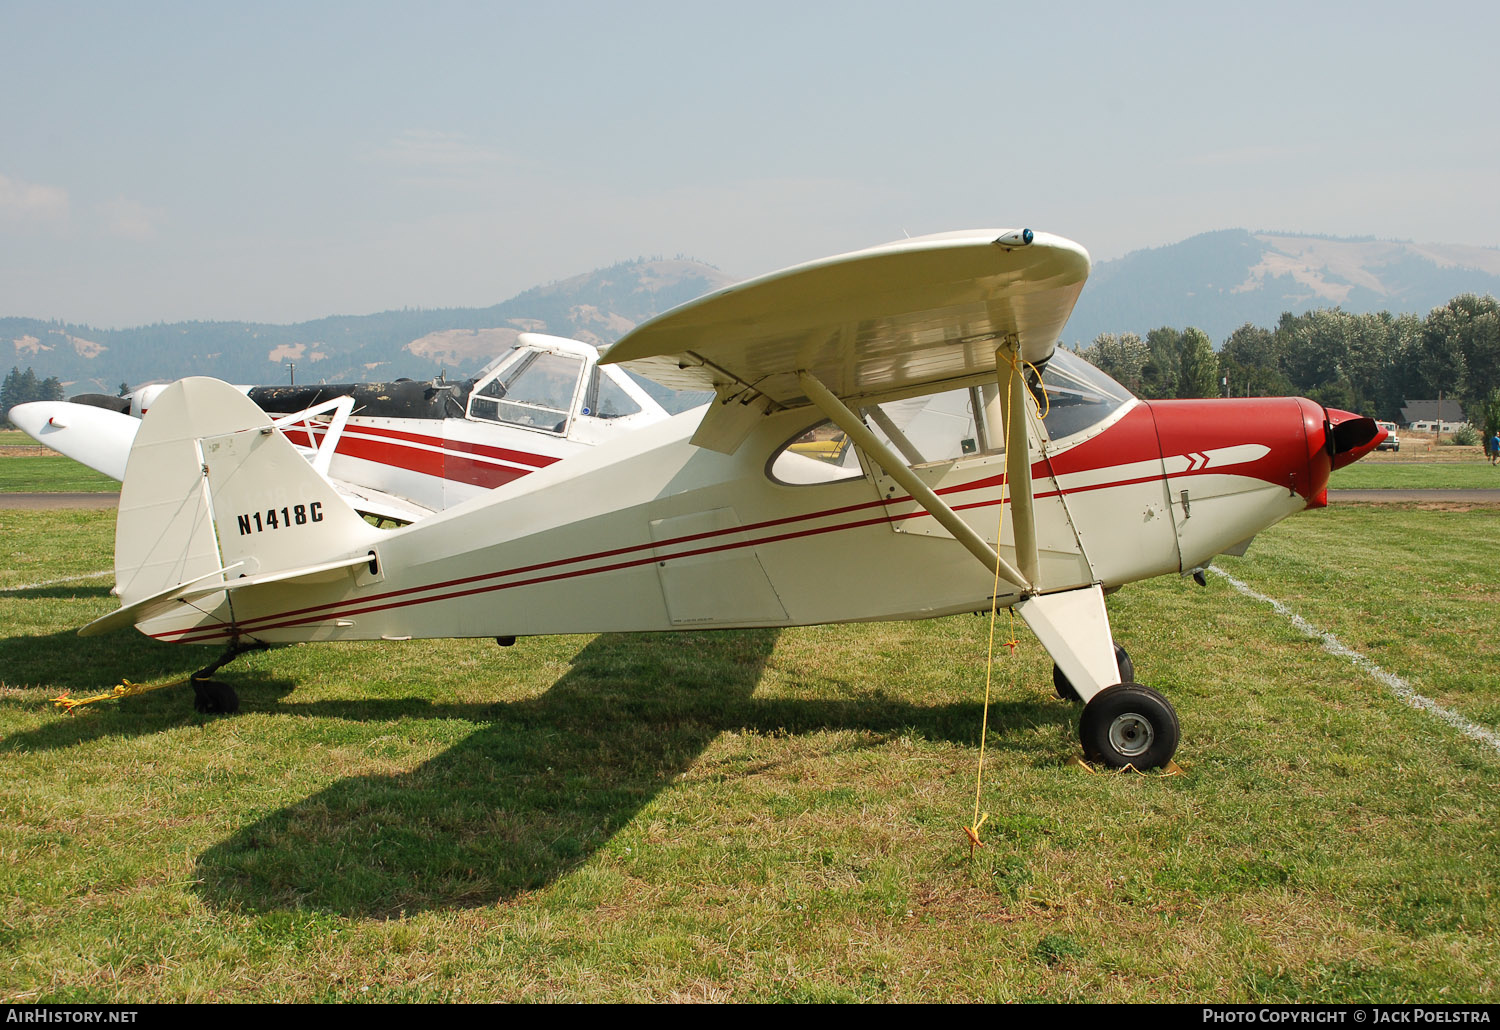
{"points": [[1074, 628], [1123, 723], [1064, 688], [212, 697]]}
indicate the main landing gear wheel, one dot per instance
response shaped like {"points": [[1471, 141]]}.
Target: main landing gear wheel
{"points": [[1128, 724], [1065, 689]]}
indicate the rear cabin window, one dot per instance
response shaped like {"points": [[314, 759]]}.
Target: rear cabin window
{"points": [[934, 428], [821, 454]]}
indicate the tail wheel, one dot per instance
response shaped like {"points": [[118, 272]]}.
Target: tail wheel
{"points": [[1128, 724], [1065, 689]]}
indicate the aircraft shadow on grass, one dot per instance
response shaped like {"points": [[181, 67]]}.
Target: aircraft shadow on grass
{"points": [[543, 785]]}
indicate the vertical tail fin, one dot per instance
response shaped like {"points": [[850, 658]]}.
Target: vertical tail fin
{"points": [[210, 484]]}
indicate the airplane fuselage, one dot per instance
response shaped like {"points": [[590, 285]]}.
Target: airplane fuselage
{"points": [[652, 533]]}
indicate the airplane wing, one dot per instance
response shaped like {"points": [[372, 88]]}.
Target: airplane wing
{"points": [[899, 318], [912, 317]]}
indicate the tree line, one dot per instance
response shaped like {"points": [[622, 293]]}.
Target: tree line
{"points": [[24, 387], [1370, 364]]}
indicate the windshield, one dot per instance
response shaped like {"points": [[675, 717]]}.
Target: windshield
{"points": [[1078, 395]]}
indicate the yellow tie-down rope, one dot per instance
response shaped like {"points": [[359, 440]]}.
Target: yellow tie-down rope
{"points": [[63, 702], [972, 830]]}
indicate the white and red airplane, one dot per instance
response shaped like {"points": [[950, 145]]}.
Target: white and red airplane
{"points": [[793, 499], [401, 450]]}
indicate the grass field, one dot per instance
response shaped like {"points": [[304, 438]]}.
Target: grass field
{"points": [[1409, 475], [51, 474], [767, 815]]}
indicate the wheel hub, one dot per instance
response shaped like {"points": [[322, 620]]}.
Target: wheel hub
{"points": [[1131, 735]]}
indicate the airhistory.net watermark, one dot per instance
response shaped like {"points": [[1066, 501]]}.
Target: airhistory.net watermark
{"points": [[42, 1014]]}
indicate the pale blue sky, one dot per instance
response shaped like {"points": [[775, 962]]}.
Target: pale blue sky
{"points": [[287, 161]]}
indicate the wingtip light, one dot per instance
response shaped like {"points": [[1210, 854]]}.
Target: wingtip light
{"points": [[1019, 238]]}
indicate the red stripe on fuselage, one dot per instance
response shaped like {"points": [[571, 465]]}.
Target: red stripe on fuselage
{"points": [[396, 450], [483, 450]]}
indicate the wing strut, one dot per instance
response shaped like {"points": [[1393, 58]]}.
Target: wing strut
{"points": [[898, 470], [1017, 455]]}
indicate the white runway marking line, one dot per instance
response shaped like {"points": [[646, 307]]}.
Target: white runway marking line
{"points": [[55, 582], [1399, 686]]}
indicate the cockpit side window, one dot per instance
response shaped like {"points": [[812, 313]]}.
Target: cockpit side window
{"points": [[924, 430], [536, 393], [932, 429], [606, 399]]}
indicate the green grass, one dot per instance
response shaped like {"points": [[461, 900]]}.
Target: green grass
{"points": [[51, 474], [1390, 475], [766, 815], [1415, 590]]}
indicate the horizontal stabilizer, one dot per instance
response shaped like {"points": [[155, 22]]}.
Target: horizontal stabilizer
{"points": [[155, 604], [93, 436], [166, 600]]}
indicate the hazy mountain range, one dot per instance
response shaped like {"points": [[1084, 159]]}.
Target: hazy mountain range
{"points": [[1216, 281]]}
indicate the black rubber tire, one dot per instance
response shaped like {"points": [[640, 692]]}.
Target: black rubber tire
{"points": [[1128, 724], [1064, 689], [214, 698]]}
